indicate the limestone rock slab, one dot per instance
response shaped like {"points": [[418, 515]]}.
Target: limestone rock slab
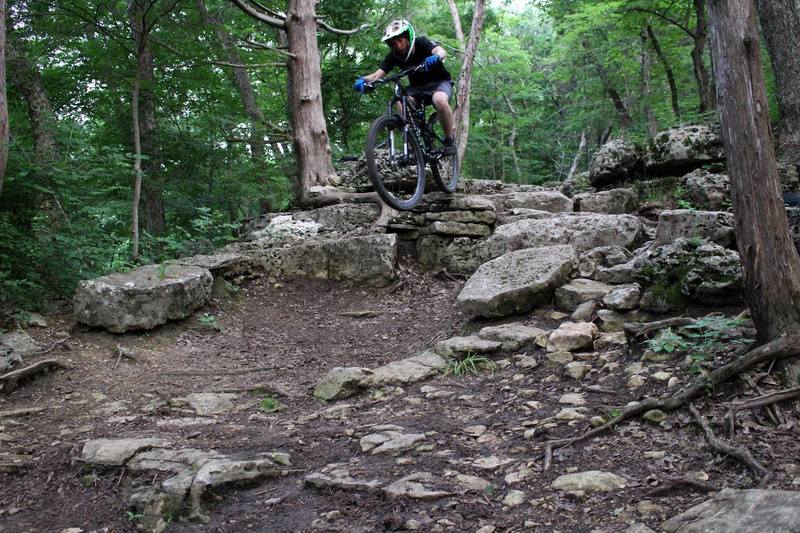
{"points": [[340, 382]]}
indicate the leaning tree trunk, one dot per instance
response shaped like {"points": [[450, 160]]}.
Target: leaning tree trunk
{"points": [[465, 78], [673, 89], [311, 147], [781, 25], [4, 137], [770, 263]]}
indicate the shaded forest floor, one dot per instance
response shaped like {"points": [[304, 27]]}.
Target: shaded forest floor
{"points": [[290, 334]]}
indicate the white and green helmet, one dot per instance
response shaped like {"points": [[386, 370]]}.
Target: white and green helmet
{"points": [[398, 27]]}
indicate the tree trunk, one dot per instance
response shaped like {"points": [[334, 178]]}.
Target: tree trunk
{"points": [[241, 79], [4, 136], [781, 25], [673, 89], [311, 146], [581, 147], [770, 263], [26, 78], [652, 125], [624, 116], [465, 79], [457, 25], [152, 178], [705, 87], [137, 171]]}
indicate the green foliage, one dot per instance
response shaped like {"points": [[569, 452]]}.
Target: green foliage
{"points": [[469, 364], [210, 322], [269, 404], [667, 341], [133, 517]]}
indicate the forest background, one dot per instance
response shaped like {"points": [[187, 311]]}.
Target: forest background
{"points": [[547, 74]]}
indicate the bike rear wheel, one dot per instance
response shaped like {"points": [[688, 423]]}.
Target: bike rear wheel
{"points": [[398, 175], [445, 168]]}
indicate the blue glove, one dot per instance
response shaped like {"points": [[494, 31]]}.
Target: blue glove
{"points": [[430, 61], [359, 85]]}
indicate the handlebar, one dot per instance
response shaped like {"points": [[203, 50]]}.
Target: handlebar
{"points": [[410, 70]]}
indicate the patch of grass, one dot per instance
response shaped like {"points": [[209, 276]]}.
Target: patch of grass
{"points": [[161, 270], [269, 404], [208, 321], [469, 364], [134, 517]]}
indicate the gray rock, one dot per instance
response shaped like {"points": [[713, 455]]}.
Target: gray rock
{"points": [[13, 347], [114, 452], [459, 346], [584, 312], [571, 336], [341, 382], [614, 201], [469, 217], [622, 273], [707, 190], [461, 255], [517, 282], [583, 231], [616, 160], [591, 481], [568, 297], [513, 336], [551, 201], [776, 511], [207, 403], [514, 498], [412, 486], [683, 148], [369, 260], [342, 218], [221, 264], [411, 369], [716, 226], [623, 298], [390, 442], [337, 476], [460, 229], [143, 298]]}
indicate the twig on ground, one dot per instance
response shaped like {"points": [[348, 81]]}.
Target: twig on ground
{"points": [[634, 330], [52, 346], [10, 380], [780, 348], [267, 387], [548, 457], [674, 482], [741, 454]]}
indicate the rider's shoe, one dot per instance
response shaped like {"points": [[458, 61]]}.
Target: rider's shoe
{"points": [[449, 146]]}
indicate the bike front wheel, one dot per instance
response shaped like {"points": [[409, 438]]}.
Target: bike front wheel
{"points": [[445, 168], [396, 165]]}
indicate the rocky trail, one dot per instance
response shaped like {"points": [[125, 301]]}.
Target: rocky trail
{"points": [[326, 374]]}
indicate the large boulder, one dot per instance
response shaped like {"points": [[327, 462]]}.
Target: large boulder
{"points": [[458, 256], [701, 271], [716, 226], [143, 298], [13, 347], [614, 201], [731, 510], [369, 260], [583, 231], [518, 281], [683, 148], [707, 190], [551, 201], [568, 297], [616, 160]]}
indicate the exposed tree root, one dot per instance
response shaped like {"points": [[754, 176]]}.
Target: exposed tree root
{"points": [[332, 197], [215, 371], [761, 401], [780, 348], [639, 330], [674, 482], [9, 381], [739, 453]]}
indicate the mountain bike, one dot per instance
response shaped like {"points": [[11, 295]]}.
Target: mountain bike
{"points": [[400, 144]]}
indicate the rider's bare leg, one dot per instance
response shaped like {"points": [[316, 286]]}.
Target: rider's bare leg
{"points": [[442, 105]]}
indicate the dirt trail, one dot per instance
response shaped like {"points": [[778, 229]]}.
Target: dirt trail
{"points": [[289, 334]]}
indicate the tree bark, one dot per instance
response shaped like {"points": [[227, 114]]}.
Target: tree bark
{"points": [[705, 87], [624, 116], [137, 171], [781, 25], [770, 263], [673, 89], [311, 146], [581, 147], [27, 80], [457, 25], [153, 180], [4, 135], [652, 125], [465, 79]]}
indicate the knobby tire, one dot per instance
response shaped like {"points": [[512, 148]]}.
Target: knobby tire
{"points": [[379, 175]]}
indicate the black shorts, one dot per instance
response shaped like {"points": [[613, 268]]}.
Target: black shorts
{"points": [[426, 91]]}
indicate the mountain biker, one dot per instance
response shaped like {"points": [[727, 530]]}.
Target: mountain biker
{"points": [[432, 83]]}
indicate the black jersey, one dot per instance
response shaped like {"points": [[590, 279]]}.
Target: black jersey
{"points": [[423, 47]]}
